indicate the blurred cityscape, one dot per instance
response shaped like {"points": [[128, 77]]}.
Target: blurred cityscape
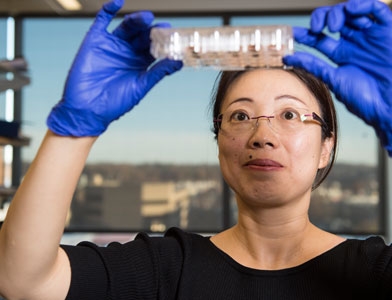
{"points": [[147, 197], [155, 197], [348, 202]]}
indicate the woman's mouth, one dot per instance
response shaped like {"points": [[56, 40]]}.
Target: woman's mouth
{"points": [[264, 164]]}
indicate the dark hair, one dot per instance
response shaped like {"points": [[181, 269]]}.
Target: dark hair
{"points": [[318, 88]]}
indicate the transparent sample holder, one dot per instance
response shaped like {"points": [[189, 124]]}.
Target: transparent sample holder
{"points": [[224, 48]]}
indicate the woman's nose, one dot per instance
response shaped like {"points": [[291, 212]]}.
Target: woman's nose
{"points": [[263, 134]]}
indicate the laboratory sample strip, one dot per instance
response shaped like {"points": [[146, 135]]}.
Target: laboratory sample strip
{"points": [[226, 47]]}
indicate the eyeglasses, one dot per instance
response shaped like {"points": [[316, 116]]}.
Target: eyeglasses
{"points": [[283, 121]]}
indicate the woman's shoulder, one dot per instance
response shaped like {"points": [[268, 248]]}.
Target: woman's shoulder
{"points": [[174, 237], [371, 245], [363, 256], [373, 248]]}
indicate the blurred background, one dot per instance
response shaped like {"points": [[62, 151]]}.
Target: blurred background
{"points": [[157, 167]]}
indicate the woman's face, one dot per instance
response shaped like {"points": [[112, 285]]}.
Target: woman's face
{"points": [[265, 166]]}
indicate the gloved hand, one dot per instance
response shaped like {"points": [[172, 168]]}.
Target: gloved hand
{"points": [[110, 74], [362, 77]]}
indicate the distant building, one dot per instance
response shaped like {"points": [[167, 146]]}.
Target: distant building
{"points": [[106, 208]]}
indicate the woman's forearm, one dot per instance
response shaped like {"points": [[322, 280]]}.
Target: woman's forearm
{"points": [[30, 235]]}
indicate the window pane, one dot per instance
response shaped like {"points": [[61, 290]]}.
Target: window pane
{"points": [[3, 37], [154, 168], [157, 167], [3, 54], [349, 200]]}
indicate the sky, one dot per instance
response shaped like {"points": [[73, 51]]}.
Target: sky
{"points": [[172, 124]]}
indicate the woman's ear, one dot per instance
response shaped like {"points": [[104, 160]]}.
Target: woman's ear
{"points": [[326, 152]]}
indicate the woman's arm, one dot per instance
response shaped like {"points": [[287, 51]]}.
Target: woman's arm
{"points": [[362, 75], [32, 266], [110, 75]]}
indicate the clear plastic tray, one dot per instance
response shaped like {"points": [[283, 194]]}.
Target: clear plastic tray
{"points": [[226, 47]]}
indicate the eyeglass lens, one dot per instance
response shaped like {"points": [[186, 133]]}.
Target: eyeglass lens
{"points": [[282, 121]]}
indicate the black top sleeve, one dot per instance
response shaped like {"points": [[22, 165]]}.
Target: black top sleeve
{"points": [[146, 268]]}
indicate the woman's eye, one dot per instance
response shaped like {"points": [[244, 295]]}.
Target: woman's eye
{"points": [[289, 115], [239, 116]]}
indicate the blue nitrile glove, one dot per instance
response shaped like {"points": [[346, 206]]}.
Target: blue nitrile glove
{"points": [[362, 77], [110, 74]]}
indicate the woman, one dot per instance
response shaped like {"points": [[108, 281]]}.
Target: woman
{"points": [[275, 141]]}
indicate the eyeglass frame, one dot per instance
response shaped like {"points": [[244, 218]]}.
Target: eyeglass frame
{"points": [[314, 116]]}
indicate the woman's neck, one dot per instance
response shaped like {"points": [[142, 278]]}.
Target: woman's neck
{"points": [[274, 244]]}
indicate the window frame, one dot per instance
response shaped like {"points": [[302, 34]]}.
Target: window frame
{"points": [[384, 167]]}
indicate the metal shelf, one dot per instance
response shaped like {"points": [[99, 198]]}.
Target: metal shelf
{"points": [[6, 192], [18, 142]]}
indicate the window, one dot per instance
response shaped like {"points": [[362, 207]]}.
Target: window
{"points": [[3, 55], [157, 166], [154, 168]]}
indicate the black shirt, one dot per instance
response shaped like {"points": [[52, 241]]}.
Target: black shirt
{"points": [[189, 266]]}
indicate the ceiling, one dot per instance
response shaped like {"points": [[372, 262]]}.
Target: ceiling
{"points": [[90, 7]]}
